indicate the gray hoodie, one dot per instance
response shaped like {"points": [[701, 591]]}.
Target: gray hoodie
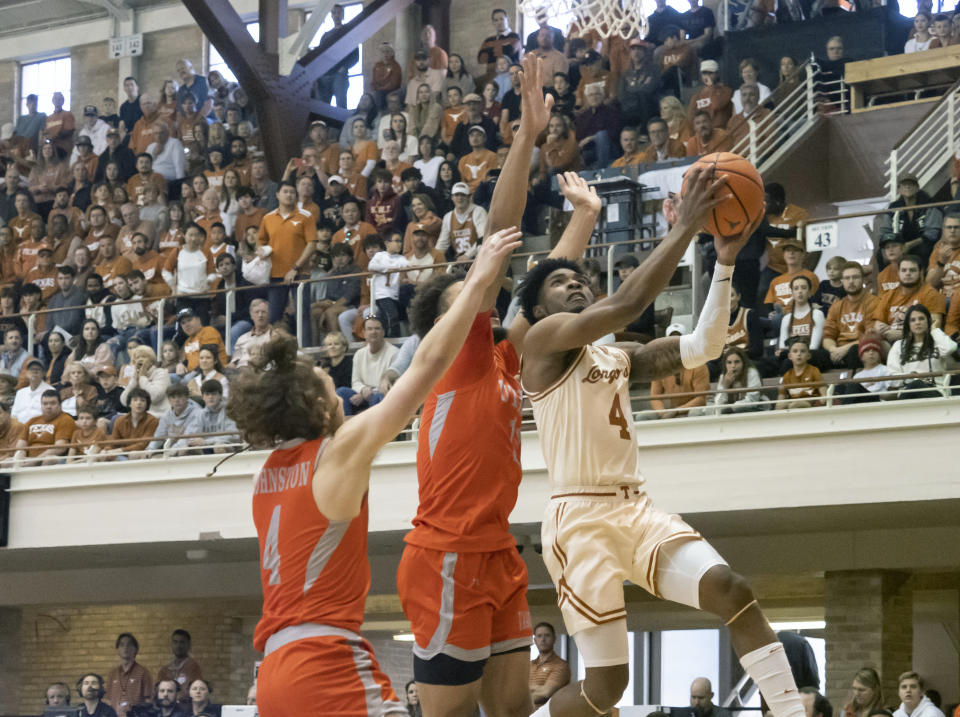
{"points": [[214, 420], [171, 425]]}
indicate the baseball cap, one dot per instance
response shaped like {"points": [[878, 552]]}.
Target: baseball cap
{"points": [[709, 66], [460, 188], [113, 130], [478, 128], [317, 123], [637, 42], [336, 178], [795, 243], [591, 57], [908, 177], [35, 362], [90, 111], [185, 314], [419, 229], [83, 139], [628, 260], [890, 237], [870, 342], [45, 247], [679, 329], [108, 370], [421, 55], [473, 97]]}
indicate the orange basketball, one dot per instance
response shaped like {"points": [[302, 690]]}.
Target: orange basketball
{"points": [[743, 183]]}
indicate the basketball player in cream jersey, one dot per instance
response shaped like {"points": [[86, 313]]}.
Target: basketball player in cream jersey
{"points": [[600, 527]]}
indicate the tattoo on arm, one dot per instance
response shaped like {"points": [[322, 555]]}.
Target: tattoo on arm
{"points": [[657, 359]]}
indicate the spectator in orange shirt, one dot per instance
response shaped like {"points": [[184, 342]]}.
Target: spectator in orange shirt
{"points": [[290, 234], [630, 144], [475, 165], [43, 274], [48, 433], [892, 305], [661, 147], [365, 151], [198, 335], [943, 272], [889, 253], [145, 175], [706, 138], [779, 294], [354, 231], [60, 125], [713, 97], [456, 113], [387, 75], [685, 381], [799, 396]]}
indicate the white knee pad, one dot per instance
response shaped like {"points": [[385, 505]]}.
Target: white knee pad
{"points": [[604, 645], [681, 566]]}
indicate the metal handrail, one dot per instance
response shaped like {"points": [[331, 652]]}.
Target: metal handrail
{"points": [[527, 422], [929, 144], [299, 285], [771, 137]]}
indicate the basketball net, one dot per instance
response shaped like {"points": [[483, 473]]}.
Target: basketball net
{"points": [[607, 17]]}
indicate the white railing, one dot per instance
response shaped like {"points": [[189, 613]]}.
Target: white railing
{"points": [[772, 137], [929, 146]]}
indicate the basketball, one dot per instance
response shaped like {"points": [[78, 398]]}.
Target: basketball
{"points": [[743, 183]]}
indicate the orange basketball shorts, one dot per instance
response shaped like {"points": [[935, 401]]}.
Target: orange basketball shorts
{"points": [[333, 675], [467, 606]]}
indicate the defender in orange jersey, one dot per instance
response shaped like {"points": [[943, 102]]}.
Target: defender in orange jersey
{"points": [[310, 510], [461, 581]]}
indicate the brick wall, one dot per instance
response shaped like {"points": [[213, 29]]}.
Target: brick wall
{"points": [[60, 643], [93, 77], [162, 50], [40, 645], [869, 618]]}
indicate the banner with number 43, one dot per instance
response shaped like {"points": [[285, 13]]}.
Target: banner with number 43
{"points": [[821, 235]]}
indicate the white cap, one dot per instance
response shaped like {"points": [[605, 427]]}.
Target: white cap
{"points": [[676, 329], [460, 188], [336, 178], [709, 66]]}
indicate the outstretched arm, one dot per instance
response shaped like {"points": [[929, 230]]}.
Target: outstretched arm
{"points": [[510, 193], [354, 446], [563, 332], [667, 356]]}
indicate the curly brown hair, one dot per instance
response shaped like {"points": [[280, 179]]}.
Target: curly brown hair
{"points": [[278, 397]]}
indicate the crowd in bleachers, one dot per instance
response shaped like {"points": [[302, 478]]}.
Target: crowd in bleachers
{"points": [[169, 195]]}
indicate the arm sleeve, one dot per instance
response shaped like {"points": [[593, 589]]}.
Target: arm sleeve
{"points": [[401, 362], [707, 340], [784, 328], [816, 338], [831, 329], [443, 241], [754, 384], [480, 221]]}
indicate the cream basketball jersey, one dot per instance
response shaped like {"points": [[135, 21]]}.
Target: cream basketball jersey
{"points": [[585, 422]]}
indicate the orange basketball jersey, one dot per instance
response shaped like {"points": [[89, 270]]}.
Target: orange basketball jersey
{"points": [[468, 455], [312, 569]]}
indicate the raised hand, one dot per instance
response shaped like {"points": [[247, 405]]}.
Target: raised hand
{"points": [[575, 188], [728, 247], [535, 107], [486, 268], [703, 193]]}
